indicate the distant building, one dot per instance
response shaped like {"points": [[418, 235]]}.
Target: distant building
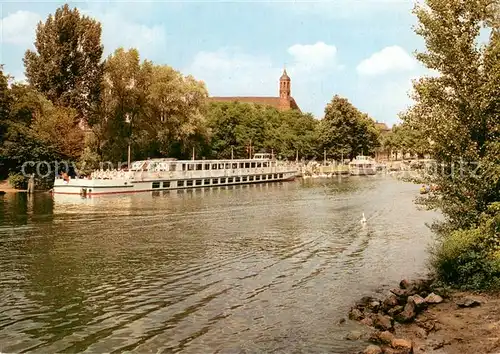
{"points": [[382, 127], [283, 102]]}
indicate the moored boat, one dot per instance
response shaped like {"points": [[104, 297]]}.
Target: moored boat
{"points": [[164, 174], [362, 166]]}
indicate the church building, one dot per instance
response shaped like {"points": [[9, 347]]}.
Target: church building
{"points": [[283, 102]]}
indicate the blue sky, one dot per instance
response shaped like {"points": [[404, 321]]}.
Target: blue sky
{"points": [[359, 49]]}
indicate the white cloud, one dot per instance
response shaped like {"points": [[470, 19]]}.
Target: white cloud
{"points": [[19, 28], [313, 56], [389, 59]]}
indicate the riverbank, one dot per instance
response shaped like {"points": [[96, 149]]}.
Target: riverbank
{"points": [[5, 187], [417, 317]]}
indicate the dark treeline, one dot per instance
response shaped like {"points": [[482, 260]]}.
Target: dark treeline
{"points": [[78, 106]]}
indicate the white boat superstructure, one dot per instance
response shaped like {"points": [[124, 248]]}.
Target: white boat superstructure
{"points": [[166, 174], [362, 166]]}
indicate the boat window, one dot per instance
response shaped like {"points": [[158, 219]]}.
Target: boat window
{"points": [[198, 182], [230, 180], [156, 184], [269, 176], [264, 177], [166, 184], [257, 178], [241, 165], [190, 167], [184, 167], [228, 166], [266, 164], [281, 175], [207, 166], [189, 182], [244, 178], [221, 166], [274, 176], [259, 164], [207, 181], [235, 166], [199, 167], [173, 166], [250, 178], [253, 164], [222, 180], [247, 164], [236, 179], [215, 181], [180, 183], [214, 166]]}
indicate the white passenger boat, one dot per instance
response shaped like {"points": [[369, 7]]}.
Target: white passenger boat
{"points": [[166, 174], [362, 166]]}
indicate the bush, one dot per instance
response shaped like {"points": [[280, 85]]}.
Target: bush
{"points": [[470, 259], [18, 181]]}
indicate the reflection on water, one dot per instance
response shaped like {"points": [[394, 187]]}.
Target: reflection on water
{"points": [[263, 268]]}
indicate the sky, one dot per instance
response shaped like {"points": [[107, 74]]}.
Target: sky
{"points": [[359, 49]]}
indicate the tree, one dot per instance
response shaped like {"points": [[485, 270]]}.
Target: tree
{"points": [[238, 127], [123, 104], [459, 110], [66, 66], [345, 130], [176, 111]]}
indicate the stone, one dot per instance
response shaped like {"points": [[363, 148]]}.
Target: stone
{"points": [[468, 302], [386, 337], [388, 350], [374, 306], [395, 311], [399, 292], [418, 301], [382, 322], [355, 314], [367, 321], [408, 313], [390, 301], [365, 302], [372, 349], [405, 284], [433, 299], [354, 335], [402, 346]]}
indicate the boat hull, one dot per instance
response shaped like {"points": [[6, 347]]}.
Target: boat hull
{"points": [[96, 187]]}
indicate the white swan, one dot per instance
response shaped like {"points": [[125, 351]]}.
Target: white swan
{"points": [[363, 220]]}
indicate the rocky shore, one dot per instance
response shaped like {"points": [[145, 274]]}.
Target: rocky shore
{"points": [[419, 317]]}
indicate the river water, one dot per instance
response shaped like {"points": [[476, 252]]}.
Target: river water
{"points": [[251, 269]]}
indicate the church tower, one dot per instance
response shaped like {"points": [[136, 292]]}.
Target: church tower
{"points": [[284, 101], [285, 85]]}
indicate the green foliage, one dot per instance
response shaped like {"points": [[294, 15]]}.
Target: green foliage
{"points": [[470, 258], [241, 126], [36, 130], [347, 131], [18, 181], [458, 112], [156, 109], [66, 66], [406, 139]]}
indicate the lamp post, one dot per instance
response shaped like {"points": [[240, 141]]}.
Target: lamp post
{"points": [[129, 121]]}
